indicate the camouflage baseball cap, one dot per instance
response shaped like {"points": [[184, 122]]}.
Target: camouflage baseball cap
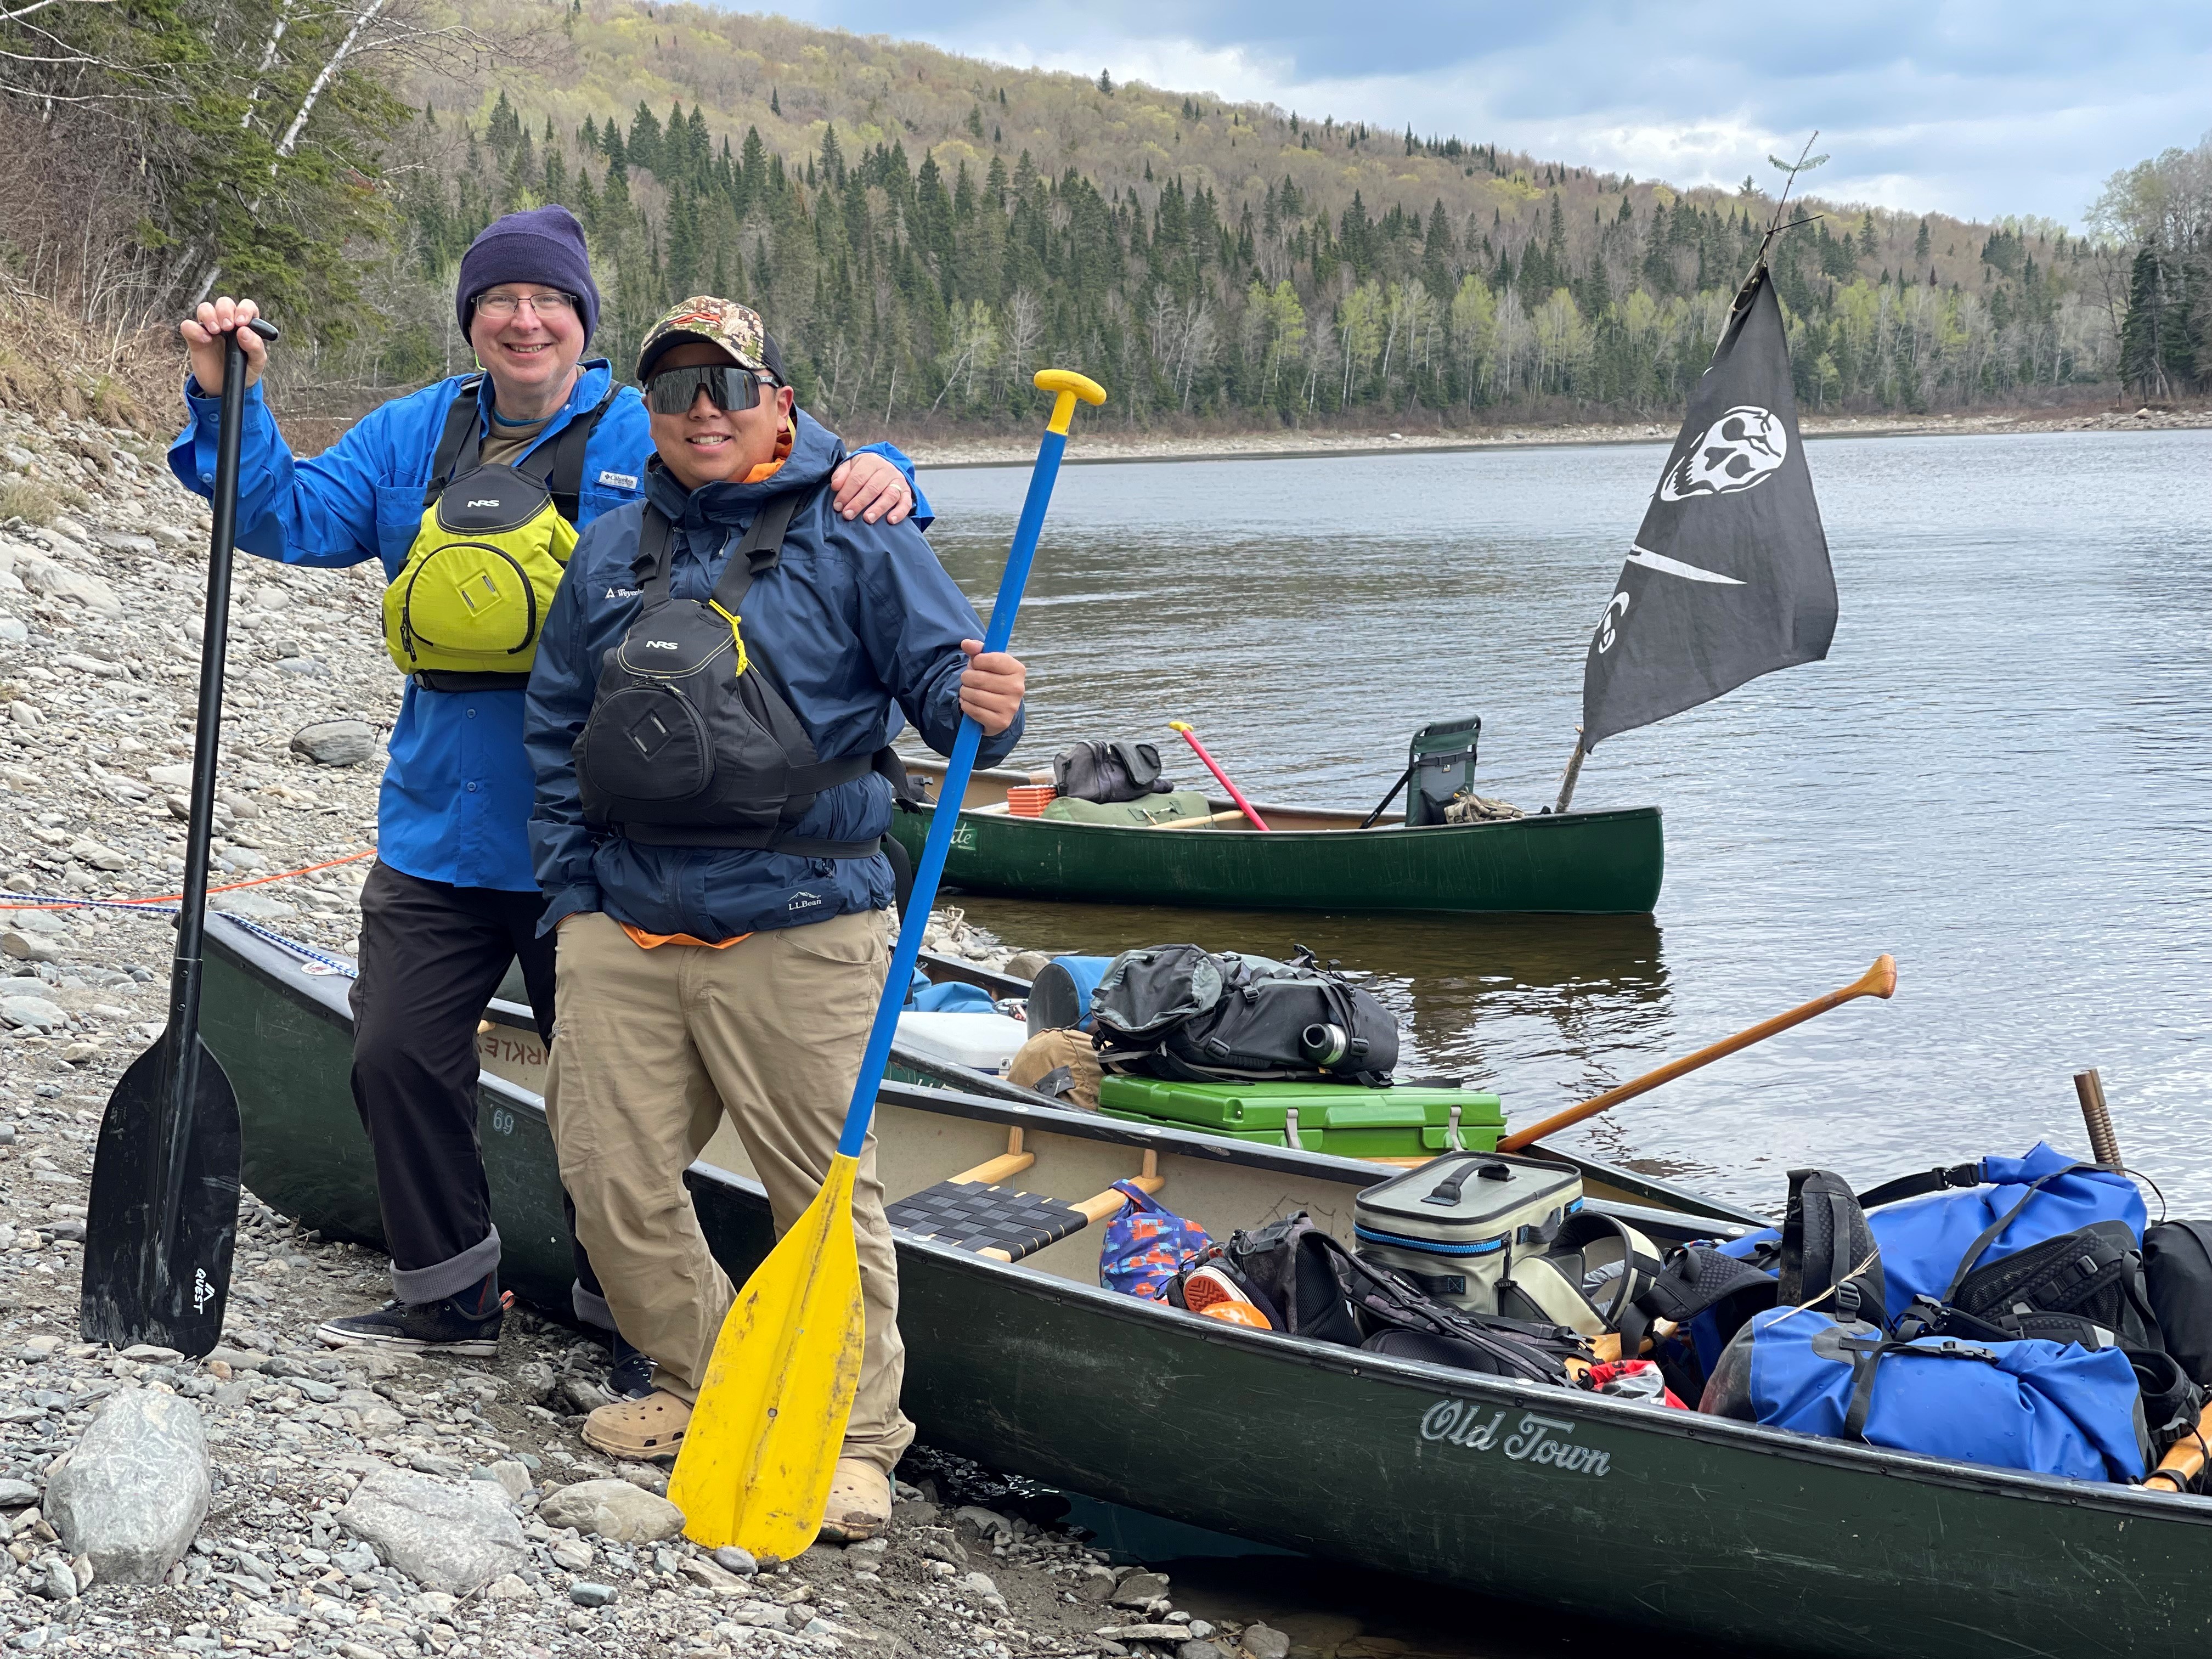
{"points": [[735, 328]]}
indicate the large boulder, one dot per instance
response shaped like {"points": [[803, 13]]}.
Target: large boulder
{"points": [[451, 1536], [133, 1490], [613, 1508]]}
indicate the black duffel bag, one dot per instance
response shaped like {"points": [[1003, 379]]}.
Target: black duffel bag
{"points": [[1107, 772], [1175, 1010]]}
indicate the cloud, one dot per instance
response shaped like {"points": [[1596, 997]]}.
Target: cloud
{"points": [[1964, 106]]}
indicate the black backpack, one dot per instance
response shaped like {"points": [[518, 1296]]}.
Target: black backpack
{"points": [[1175, 1010], [1107, 772], [2086, 1286], [2177, 1259], [1309, 1285], [690, 740]]}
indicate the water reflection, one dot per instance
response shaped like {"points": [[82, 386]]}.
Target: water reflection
{"points": [[1495, 999]]}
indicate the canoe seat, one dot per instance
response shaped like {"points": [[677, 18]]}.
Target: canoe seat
{"points": [[972, 1216], [971, 1212]]}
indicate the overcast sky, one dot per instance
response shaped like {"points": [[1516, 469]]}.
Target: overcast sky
{"points": [[1975, 109]]}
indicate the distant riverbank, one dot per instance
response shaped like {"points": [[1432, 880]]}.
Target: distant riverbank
{"points": [[1102, 444]]}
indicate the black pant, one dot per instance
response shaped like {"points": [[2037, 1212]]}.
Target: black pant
{"points": [[431, 957]]}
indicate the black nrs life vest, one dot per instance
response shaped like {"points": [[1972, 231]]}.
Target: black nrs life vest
{"points": [[690, 741]]}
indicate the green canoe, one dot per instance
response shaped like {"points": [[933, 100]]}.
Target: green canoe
{"points": [[1313, 858], [1714, 1531]]}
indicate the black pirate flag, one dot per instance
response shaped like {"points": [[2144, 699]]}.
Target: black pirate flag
{"points": [[1728, 579]]}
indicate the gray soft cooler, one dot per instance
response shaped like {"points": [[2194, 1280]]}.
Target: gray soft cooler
{"points": [[1457, 1224]]}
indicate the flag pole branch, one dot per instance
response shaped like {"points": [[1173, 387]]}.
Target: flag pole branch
{"points": [[1806, 162], [1573, 775]]}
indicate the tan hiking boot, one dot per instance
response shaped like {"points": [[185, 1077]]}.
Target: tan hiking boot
{"points": [[640, 1429], [859, 1503]]}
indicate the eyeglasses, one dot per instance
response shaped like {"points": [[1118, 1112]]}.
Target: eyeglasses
{"points": [[672, 390], [500, 308]]}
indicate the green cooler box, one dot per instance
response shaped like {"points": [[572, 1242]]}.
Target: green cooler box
{"points": [[1348, 1121]]}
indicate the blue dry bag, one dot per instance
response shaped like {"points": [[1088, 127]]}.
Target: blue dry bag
{"points": [[1929, 1225], [2043, 1407]]}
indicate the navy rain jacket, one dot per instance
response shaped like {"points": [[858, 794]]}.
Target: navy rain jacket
{"points": [[854, 617]]}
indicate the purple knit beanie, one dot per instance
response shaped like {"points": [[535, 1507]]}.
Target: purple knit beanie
{"points": [[544, 244]]}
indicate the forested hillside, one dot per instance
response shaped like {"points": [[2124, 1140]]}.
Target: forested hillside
{"points": [[923, 230]]}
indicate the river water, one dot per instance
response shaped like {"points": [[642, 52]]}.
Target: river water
{"points": [[2000, 775]]}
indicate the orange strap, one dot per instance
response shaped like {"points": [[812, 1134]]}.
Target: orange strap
{"points": [[175, 898]]}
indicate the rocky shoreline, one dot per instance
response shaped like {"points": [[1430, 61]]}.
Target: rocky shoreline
{"points": [[1102, 445], [279, 1498]]}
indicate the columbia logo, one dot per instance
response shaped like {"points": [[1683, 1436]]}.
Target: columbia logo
{"points": [[619, 480]]}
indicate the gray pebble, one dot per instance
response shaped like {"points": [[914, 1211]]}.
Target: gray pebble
{"points": [[591, 1595], [730, 1559]]}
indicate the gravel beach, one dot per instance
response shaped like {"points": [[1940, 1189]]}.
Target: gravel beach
{"points": [[278, 1497]]}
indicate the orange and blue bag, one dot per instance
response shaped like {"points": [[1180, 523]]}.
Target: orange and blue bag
{"points": [[1146, 1244]]}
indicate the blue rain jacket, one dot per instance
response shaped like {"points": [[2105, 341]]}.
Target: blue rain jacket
{"points": [[455, 804], [855, 619]]}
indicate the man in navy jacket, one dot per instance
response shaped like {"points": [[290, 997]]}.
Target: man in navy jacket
{"points": [[701, 982], [452, 900]]}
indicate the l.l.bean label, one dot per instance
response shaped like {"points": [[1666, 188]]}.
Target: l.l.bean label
{"points": [[1534, 1438]]}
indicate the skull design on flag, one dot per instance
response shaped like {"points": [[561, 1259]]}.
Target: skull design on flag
{"points": [[1742, 449]]}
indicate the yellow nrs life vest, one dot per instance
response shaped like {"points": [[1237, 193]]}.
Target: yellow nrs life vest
{"points": [[467, 609]]}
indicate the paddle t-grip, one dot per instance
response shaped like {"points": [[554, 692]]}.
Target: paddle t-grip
{"points": [[2104, 1145]]}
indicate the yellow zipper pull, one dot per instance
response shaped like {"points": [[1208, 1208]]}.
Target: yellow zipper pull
{"points": [[734, 635]]}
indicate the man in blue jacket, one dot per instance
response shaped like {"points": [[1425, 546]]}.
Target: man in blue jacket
{"points": [[452, 900], [724, 959]]}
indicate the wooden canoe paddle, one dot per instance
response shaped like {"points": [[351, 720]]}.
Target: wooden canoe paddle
{"points": [[756, 1465], [2185, 1459], [1879, 980], [162, 1216]]}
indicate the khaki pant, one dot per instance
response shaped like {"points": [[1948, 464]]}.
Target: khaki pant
{"points": [[655, 1047]]}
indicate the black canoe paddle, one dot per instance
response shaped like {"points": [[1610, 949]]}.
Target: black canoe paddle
{"points": [[163, 1215]]}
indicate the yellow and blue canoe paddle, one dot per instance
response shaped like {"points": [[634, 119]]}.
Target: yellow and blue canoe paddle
{"points": [[756, 1465]]}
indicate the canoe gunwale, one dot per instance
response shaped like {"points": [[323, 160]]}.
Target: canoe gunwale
{"points": [[1543, 822]]}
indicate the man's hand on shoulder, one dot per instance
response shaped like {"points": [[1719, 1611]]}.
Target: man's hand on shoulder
{"points": [[870, 488], [991, 687]]}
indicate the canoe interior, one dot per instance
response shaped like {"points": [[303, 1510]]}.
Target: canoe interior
{"points": [[987, 787], [1717, 1531]]}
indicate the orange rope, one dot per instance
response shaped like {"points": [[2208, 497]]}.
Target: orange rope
{"points": [[177, 898]]}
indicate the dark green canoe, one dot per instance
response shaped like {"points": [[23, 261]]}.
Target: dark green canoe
{"points": [[1313, 859], [1716, 1531]]}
